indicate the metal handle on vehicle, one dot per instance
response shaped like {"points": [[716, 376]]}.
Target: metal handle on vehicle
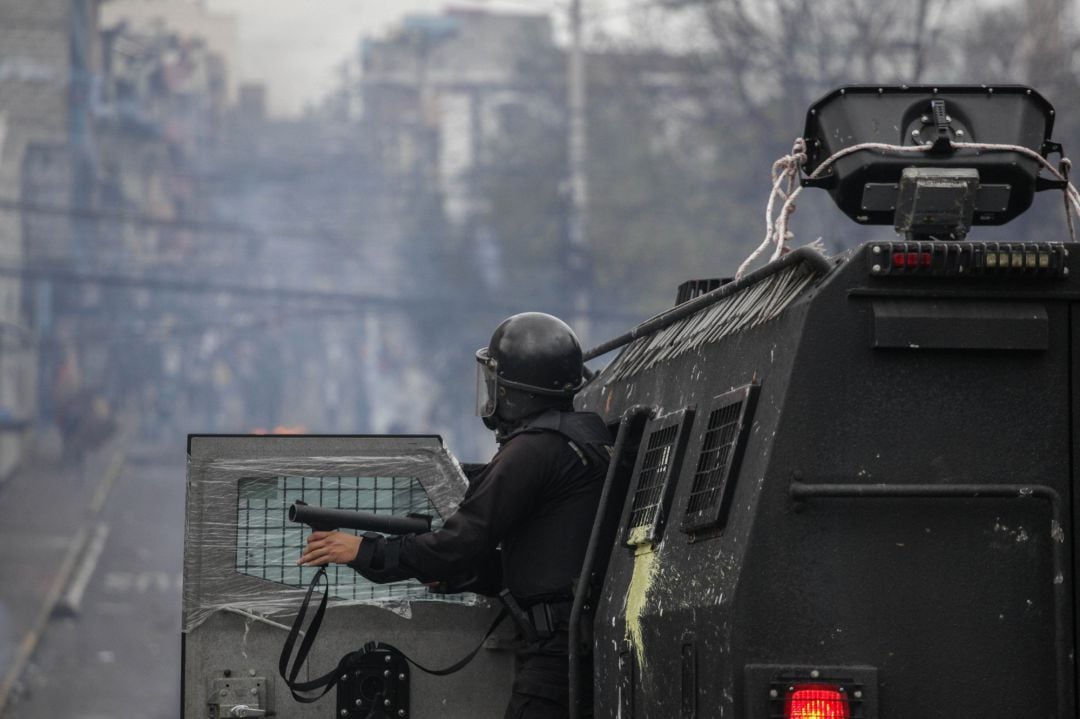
{"points": [[243, 710]]}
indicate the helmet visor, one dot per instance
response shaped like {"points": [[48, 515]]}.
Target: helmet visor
{"points": [[486, 384]]}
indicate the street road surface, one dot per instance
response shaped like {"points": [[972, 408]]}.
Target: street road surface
{"points": [[119, 656]]}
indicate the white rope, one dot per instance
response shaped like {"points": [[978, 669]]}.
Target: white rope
{"points": [[1062, 174], [786, 169], [1065, 167], [785, 175]]}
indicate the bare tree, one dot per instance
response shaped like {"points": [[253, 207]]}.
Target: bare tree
{"points": [[769, 59]]}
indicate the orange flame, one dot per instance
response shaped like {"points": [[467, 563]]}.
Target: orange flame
{"points": [[281, 429]]}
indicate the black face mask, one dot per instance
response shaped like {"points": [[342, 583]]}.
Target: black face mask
{"points": [[502, 429], [511, 409], [501, 426]]}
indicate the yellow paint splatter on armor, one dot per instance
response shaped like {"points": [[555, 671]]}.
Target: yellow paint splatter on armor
{"points": [[637, 595]]}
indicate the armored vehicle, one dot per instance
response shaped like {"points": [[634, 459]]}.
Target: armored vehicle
{"points": [[842, 487]]}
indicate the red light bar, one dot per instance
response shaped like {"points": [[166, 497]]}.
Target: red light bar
{"points": [[816, 701]]}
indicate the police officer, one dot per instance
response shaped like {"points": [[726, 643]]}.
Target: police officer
{"points": [[525, 520]]}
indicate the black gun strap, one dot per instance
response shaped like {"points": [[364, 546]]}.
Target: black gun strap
{"points": [[460, 664], [327, 681]]}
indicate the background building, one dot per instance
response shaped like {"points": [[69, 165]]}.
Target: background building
{"points": [[47, 51]]}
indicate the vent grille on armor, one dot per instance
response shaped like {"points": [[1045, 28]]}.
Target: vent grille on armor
{"points": [[696, 288], [714, 458], [722, 445], [657, 464], [651, 479]]}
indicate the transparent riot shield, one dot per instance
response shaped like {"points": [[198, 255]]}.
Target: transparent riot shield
{"points": [[243, 589]]}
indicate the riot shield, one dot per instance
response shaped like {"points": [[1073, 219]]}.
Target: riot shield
{"points": [[243, 589]]}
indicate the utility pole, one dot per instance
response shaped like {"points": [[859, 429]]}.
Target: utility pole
{"points": [[579, 260]]}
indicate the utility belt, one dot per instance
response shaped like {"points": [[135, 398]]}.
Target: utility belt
{"points": [[537, 621]]}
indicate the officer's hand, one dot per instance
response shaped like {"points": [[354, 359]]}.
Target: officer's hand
{"points": [[326, 547]]}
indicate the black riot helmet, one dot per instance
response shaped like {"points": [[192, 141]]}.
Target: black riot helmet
{"points": [[533, 362]]}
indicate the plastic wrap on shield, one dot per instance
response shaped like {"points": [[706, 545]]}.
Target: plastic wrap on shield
{"points": [[241, 548]]}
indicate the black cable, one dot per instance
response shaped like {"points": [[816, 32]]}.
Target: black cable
{"points": [[122, 216], [331, 300]]}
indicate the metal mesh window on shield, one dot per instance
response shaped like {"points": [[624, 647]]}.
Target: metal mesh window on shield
{"points": [[654, 469], [268, 544]]}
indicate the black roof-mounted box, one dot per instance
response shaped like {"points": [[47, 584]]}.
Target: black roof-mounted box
{"points": [[865, 184]]}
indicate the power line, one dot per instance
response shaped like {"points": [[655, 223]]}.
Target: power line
{"points": [[331, 300], [203, 227], [190, 286], [149, 333], [133, 218], [325, 235]]}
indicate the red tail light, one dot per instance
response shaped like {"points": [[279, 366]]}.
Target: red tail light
{"points": [[816, 701]]}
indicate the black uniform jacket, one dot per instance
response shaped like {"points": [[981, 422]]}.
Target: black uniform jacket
{"points": [[537, 498]]}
